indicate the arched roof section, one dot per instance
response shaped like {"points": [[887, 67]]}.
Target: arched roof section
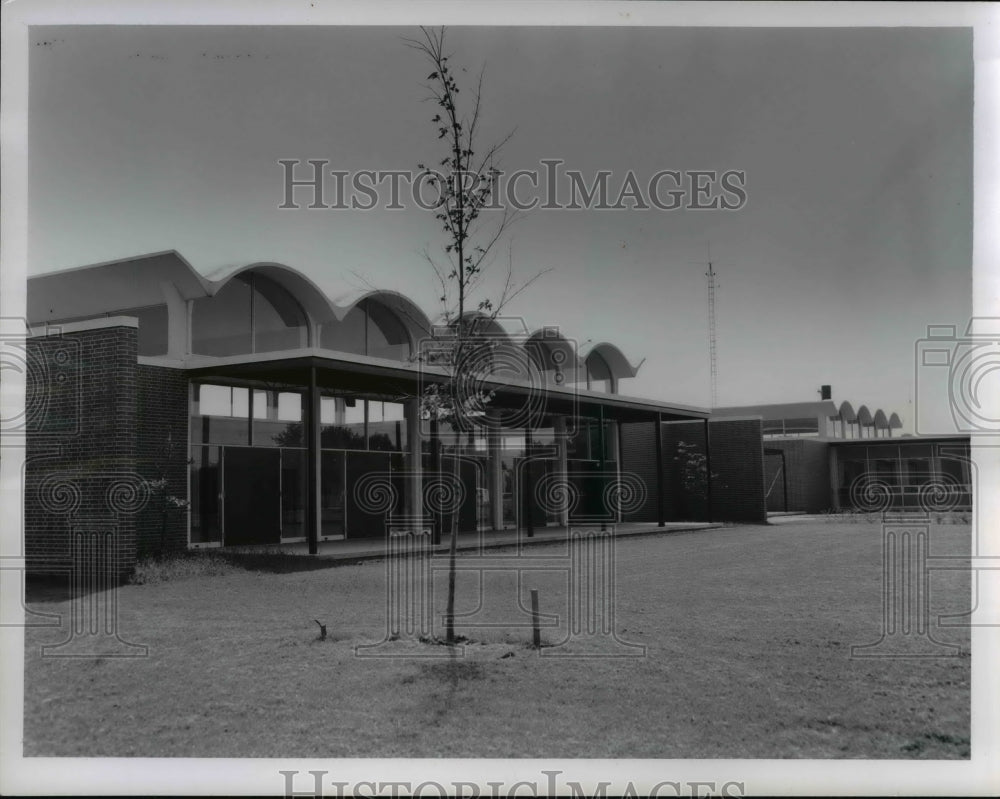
{"points": [[894, 422], [314, 302], [552, 351], [113, 285], [880, 421], [482, 324], [615, 359], [409, 314], [864, 416], [846, 412]]}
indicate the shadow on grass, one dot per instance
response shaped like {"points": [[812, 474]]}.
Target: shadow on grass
{"points": [[55, 588], [275, 562]]}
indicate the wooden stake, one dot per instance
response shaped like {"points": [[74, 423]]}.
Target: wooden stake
{"points": [[536, 633]]}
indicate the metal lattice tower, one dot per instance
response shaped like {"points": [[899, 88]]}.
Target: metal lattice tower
{"points": [[713, 365]]}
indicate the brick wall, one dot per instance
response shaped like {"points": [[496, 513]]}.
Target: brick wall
{"points": [[737, 470], [736, 464], [638, 456], [81, 483], [161, 454]]}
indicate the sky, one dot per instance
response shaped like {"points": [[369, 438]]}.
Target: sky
{"points": [[856, 145]]}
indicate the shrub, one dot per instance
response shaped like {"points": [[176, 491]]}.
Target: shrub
{"points": [[164, 569]]}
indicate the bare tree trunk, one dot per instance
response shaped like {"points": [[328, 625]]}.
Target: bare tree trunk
{"points": [[449, 617]]}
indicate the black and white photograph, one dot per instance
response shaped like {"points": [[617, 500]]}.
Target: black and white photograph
{"points": [[499, 399]]}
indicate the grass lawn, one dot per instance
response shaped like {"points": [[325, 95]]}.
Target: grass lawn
{"points": [[747, 632]]}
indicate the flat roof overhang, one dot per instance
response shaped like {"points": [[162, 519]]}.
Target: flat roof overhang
{"points": [[389, 379]]}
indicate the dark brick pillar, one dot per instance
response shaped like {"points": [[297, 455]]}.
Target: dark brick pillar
{"points": [[162, 454], [80, 472], [738, 471]]}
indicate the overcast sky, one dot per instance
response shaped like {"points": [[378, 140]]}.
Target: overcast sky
{"points": [[856, 145]]}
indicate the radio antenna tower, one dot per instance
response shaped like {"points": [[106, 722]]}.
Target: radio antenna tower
{"points": [[712, 363]]}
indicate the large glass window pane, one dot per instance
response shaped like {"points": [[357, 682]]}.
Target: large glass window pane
{"points": [[347, 335], [278, 320], [251, 313], [343, 423], [278, 419], [290, 406], [887, 470], [883, 451], [386, 426], [543, 439], [368, 329], [386, 336], [332, 494], [214, 400], [293, 493], [220, 325], [801, 426], [956, 468], [578, 443], [512, 442], [918, 471], [206, 526], [219, 415]]}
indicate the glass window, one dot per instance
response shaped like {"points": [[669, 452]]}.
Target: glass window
{"points": [[278, 419], [386, 426], [293, 493], [801, 426], [956, 468], [279, 323], [290, 406], [251, 313], [343, 423], [220, 325], [333, 485], [386, 335], [543, 439], [512, 442], [220, 415], [206, 524], [890, 451], [578, 444], [369, 329], [887, 470], [918, 471], [213, 400]]}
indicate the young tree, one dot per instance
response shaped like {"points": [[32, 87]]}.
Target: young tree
{"points": [[465, 180]]}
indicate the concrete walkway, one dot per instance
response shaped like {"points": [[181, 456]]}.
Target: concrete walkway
{"points": [[364, 548]]}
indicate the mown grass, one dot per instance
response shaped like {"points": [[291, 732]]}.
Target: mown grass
{"points": [[747, 634]]}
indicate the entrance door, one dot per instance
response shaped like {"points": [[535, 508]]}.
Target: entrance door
{"points": [[252, 496]]}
